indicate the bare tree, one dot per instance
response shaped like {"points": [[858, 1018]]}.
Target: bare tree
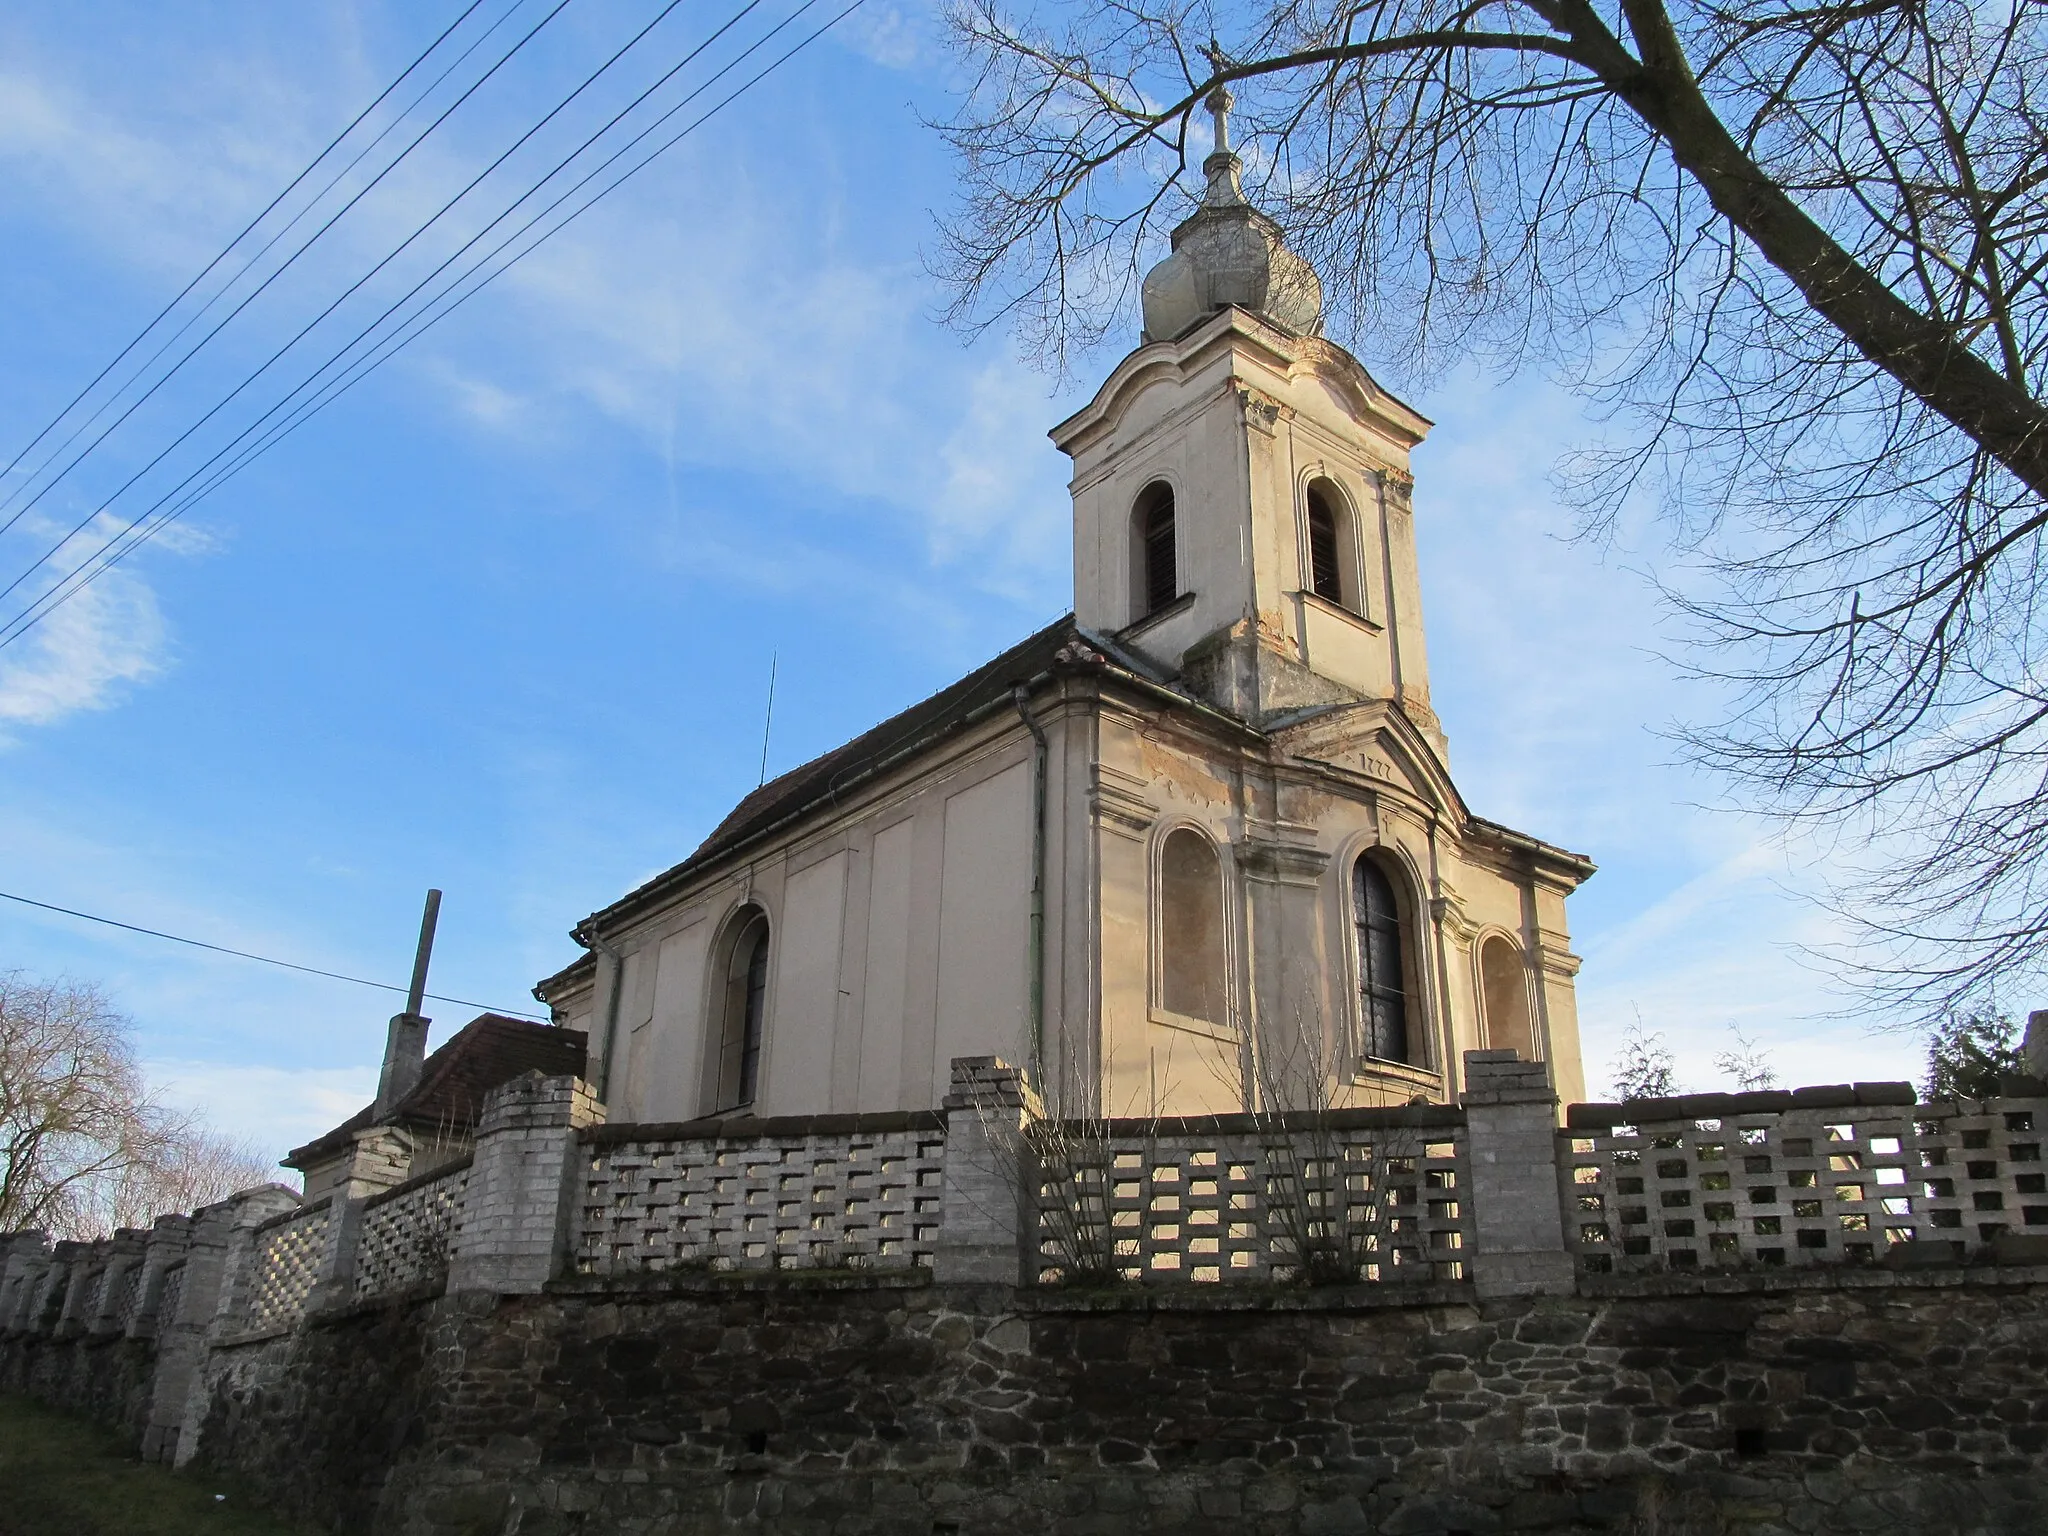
{"points": [[84, 1146], [1798, 251]]}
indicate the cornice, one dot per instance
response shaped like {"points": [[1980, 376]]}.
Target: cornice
{"points": [[1281, 351], [1282, 853], [1117, 801]]}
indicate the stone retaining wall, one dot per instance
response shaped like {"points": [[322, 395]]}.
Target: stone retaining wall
{"points": [[682, 1329], [1851, 1402]]}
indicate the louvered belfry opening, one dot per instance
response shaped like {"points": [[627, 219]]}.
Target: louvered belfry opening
{"points": [[1326, 572], [1156, 543]]}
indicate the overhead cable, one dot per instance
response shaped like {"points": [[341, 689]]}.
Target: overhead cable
{"points": [[140, 336], [136, 404], [87, 422], [243, 954], [240, 453]]}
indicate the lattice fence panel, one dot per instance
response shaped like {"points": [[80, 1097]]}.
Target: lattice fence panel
{"points": [[1981, 1173], [284, 1269], [405, 1238], [1797, 1187], [170, 1291], [96, 1292], [1378, 1204], [772, 1202], [129, 1297]]}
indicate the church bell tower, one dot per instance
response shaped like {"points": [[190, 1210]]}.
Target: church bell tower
{"points": [[1241, 485]]}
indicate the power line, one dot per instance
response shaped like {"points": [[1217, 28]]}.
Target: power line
{"points": [[243, 954], [353, 287], [146, 524], [225, 250], [137, 404], [405, 112]]}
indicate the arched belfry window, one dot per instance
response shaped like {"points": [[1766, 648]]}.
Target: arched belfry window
{"points": [[1382, 994], [1155, 549], [1330, 547], [743, 1003], [1504, 990], [1193, 979]]}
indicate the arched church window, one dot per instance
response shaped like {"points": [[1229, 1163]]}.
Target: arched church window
{"points": [[1192, 974], [743, 1008], [1505, 993], [1329, 546], [1156, 548], [1382, 995]]}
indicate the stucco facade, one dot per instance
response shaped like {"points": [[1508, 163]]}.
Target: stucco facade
{"points": [[912, 885]]}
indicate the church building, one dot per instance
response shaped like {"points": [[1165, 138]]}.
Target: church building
{"points": [[1195, 847]]}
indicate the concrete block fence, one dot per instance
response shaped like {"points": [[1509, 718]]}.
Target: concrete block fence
{"points": [[1491, 1195]]}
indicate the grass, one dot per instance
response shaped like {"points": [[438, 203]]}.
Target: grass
{"points": [[65, 1476]]}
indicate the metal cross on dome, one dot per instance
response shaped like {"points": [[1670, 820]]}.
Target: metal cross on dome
{"points": [[1219, 100]]}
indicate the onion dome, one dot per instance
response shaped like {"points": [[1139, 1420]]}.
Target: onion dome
{"points": [[1228, 253]]}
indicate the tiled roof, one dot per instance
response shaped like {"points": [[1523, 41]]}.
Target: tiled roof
{"points": [[489, 1050]]}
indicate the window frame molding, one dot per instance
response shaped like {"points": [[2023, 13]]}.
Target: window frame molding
{"points": [[732, 923], [1138, 568], [1156, 1011], [1405, 875], [1351, 551]]}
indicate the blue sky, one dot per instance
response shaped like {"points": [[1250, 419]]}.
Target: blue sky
{"points": [[500, 619]]}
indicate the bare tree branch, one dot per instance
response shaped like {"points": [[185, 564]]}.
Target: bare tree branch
{"points": [[85, 1148], [1797, 253]]}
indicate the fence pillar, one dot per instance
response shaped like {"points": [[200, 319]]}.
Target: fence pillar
{"points": [[1518, 1246], [27, 1259], [381, 1159], [206, 1287], [163, 1251], [525, 1183], [126, 1252], [989, 1227], [75, 1260]]}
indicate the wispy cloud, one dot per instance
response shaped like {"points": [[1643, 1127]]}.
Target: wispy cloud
{"points": [[751, 344], [84, 655]]}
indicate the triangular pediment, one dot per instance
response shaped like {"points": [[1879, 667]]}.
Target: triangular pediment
{"points": [[1376, 742]]}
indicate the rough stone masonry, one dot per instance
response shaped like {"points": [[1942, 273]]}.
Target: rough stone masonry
{"points": [[1863, 1402], [1817, 1311]]}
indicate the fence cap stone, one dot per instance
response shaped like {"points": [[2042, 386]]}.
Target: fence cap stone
{"points": [[533, 1101], [1502, 1077], [989, 1082], [1717, 1106]]}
